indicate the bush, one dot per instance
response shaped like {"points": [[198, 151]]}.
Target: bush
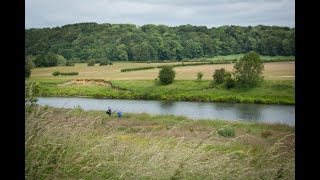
{"points": [[167, 75], [199, 75], [226, 131], [69, 74], [220, 75], [136, 69], [56, 73], [105, 63], [69, 63], [91, 63], [230, 82]]}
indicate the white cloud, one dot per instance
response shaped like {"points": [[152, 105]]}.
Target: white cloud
{"points": [[47, 13]]}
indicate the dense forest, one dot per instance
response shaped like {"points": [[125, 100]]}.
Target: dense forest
{"points": [[127, 42]]}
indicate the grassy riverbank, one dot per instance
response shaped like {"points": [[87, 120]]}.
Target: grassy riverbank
{"points": [[270, 92], [77, 144]]}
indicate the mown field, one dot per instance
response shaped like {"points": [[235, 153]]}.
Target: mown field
{"points": [[77, 144], [273, 71]]}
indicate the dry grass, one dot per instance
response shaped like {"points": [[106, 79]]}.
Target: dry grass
{"points": [[74, 144], [273, 71]]}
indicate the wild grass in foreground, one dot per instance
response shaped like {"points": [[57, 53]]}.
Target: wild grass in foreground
{"points": [[77, 144]]}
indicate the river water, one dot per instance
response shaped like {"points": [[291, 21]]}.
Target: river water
{"points": [[284, 114]]}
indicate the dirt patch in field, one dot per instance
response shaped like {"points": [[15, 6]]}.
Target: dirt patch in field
{"points": [[87, 81], [92, 81]]}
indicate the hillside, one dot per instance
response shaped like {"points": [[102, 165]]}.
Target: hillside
{"points": [[128, 42]]}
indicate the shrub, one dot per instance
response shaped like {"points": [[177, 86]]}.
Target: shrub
{"points": [[69, 63], [136, 69], [219, 75], [91, 63], [105, 63], [226, 131], [199, 75], [230, 82], [69, 74], [167, 75], [56, 73]]}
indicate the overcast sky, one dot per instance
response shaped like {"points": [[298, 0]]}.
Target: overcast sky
{"points": [[210, 13]]}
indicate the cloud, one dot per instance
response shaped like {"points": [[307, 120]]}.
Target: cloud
{"points": [[47, 13]]}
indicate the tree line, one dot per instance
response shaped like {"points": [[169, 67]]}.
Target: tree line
{"points": [[82, 42]]}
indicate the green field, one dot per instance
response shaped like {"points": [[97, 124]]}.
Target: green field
{"points": [[270, 92], [278, 87], [77, 144]]}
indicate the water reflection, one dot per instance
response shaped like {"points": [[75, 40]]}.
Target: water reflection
{"points": [[249, 112]]}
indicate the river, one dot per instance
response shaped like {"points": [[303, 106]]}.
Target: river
{"points": [[284, 114]]}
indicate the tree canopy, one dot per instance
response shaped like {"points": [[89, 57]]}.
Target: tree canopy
{"points": [[248, 71], [127, 42]]}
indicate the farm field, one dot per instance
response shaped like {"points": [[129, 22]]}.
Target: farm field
{"points": [[273, 71]]}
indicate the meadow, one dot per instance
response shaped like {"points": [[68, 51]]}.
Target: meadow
{"points": [[273, 71], [278, 87], [77, 144]]}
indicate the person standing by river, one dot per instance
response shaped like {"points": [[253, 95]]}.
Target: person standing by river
{"points": [[119, 113], [109, 111]]}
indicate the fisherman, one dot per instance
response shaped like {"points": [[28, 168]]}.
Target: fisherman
{"points": [[119, 113], [109, 111]]}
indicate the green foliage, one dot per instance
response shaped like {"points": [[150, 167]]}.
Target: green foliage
{"points": [[56, 73], [220, 75], [69, 73], [248, 71], [69, 63], [128, 42], [227, 131], [91, 62], [167, 75], [199, 75], [46, 60], [32, 89], [104, 63], [230, 82], [27, 67], [270, 92], [61, 61], [136, 69]]}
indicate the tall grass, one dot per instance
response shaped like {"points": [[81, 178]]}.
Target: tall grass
{"points": [[75, 144]]}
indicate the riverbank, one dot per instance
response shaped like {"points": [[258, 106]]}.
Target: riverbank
{"points": [[270, 92], [72, 143]]}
